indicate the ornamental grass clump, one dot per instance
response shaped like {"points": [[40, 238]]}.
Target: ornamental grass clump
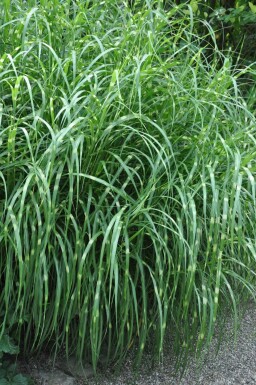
{"points": [[127, 178]]}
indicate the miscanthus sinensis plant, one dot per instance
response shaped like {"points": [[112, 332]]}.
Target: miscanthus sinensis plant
{"points": [[127, 178]]}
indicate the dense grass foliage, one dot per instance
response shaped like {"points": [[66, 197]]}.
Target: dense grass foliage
{"points": [[127, 178]]}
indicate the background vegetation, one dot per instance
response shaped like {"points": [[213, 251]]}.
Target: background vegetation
{"points": [[127, 176], [234, 22]]}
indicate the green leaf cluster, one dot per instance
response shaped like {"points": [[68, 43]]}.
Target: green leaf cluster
{"points": [[239, 16], [8, 371]]}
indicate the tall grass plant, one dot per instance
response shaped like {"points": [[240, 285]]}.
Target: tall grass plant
{"points": [[127, 178]]}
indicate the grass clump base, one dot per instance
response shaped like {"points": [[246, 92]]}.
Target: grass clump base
{"points": [[127, 177]]}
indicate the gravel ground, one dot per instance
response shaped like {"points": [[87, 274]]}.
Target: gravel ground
{"points": [[235, 364]]}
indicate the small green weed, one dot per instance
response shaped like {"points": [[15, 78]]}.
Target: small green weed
{"points": [[8, 370]]}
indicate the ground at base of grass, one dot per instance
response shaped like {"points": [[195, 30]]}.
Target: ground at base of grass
{"points": [[233, 365]]}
